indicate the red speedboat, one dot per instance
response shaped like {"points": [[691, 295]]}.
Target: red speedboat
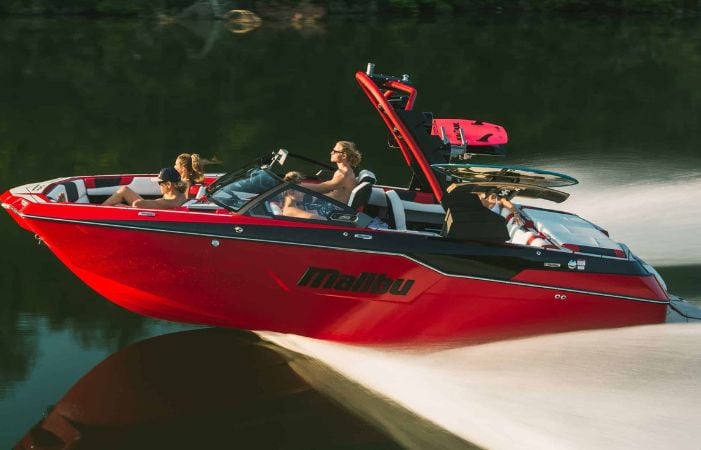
{"points": [[425, 263]]}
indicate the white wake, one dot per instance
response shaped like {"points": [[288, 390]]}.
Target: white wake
{"points": [[657, 218], [630, 388]]}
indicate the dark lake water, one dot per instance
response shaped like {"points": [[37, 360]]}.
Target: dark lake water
{"points": [[615, 103]]}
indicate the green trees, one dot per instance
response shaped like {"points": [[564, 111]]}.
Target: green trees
{"points": [[130, 8]]}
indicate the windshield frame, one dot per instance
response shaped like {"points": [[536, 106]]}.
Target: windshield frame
{"points": [[266, 165], [249, 207], [227, 180]]}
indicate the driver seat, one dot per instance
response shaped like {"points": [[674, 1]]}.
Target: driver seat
{"points": [[395, 211], [360, 195]]}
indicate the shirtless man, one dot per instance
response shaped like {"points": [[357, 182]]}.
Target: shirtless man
{"points": [[339, 187], [172, 188]]}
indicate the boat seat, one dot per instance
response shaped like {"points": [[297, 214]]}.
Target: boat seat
{"points": [[197, 191], [360, 195], [142, 185], [275, 209], [395, 211], [467, 219], [366, 175], [377, 197], [69, 191]]}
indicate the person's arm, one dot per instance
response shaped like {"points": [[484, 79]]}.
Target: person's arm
{"points": [[327, 186], [518, 218]]}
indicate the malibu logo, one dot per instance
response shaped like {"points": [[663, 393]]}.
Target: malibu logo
{"points": [[375, 283]]}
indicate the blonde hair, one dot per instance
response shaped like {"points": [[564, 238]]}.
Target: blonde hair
{"points": [[289, 194], [351, 152], [193, 165], [293, 177]]}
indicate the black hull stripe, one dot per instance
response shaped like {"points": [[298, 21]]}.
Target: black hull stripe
{"points": [[348, 249]]}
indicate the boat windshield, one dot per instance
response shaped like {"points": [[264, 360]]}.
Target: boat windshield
{"points": [[241, 187]]}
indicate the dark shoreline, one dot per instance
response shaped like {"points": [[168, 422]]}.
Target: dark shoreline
{"points": [[304, 9]]}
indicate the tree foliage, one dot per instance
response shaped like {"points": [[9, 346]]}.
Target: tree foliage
{"points": [[155, 7]]}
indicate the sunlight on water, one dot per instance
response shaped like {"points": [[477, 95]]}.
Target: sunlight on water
{"points": [[658, 219], [624, 388]]}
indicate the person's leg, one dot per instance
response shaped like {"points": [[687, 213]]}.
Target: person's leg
{"points": [[123, 195]]}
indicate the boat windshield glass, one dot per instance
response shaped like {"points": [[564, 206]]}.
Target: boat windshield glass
{"points": [[243, 186]]}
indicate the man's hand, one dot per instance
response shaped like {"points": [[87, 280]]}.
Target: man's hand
{"points": [[518, 218]]}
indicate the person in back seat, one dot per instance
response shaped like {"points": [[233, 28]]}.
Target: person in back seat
{"points": [[172, 188], [494, 203], [190, 167]]}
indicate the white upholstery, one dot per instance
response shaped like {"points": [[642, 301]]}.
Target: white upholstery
{"points": [[56, 193], [201, 192], [60, 193], [140, 185], [275, 208], [527, 237], [511, 225], [520, 235], [377, 197], [82, 192], [431, 208], [362, 191], [366, 175], [360, 194], [397, 208]]}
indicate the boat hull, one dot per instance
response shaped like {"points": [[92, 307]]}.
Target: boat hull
{"points": [[342, 294]]}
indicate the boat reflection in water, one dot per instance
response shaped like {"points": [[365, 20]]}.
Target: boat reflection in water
{"points": [[204, 388], [220, 387]]}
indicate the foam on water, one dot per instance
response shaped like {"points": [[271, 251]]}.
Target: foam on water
{"points": [[658, 219], [634, 388]]}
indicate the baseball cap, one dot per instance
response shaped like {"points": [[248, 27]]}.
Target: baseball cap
{"points": [[168, 174]]}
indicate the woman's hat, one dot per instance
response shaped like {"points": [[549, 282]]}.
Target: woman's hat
{"points": [[168, 174]]}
